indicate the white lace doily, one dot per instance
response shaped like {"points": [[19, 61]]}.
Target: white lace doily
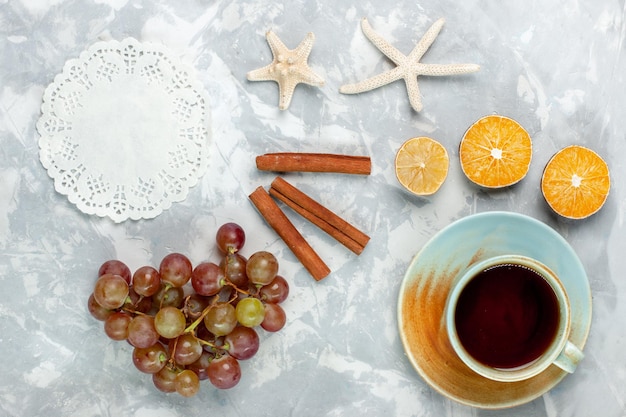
{"points": [[125, 130]]}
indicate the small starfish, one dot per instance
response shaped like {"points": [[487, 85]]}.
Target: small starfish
{"points": [[289, 68], [408, 67]]}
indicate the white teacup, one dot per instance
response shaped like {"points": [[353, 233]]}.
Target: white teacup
{"points": [[508, 319]]}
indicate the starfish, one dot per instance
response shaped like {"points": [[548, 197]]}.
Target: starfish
{"points": [[408, 67], [289, 68]]}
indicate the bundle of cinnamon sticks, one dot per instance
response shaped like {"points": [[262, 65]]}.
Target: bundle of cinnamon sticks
{"points": [[325, 219]]}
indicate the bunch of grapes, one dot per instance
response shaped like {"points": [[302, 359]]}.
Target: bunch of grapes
{"points": [[187, 323]]}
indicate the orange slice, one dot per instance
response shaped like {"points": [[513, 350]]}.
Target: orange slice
{"points": [[576, 182], [421, 165], [495, 152]]}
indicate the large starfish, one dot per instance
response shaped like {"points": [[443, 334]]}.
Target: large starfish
{"points": [[289, 68], [408, 67]]}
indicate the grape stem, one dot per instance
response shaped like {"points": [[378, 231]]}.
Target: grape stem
{"points": [[192, 327], [255, 294], [172, 359], [226, 346], [128, 310], [230, 284], [165, 290]]}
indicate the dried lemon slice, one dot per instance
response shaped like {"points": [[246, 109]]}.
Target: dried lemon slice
{"points": [[421, 165], [576, 182], [495, 152]]}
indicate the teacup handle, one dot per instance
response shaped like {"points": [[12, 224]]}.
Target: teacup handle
{"points": [[569, 358]]}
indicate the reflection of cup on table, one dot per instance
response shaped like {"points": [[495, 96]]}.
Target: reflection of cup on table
{"points": [[508, 319]]}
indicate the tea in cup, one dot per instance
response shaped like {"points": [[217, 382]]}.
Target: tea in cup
{"points": [[508, 319]]}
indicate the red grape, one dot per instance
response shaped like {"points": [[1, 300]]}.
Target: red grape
{"points": [[207, 279], [234, 266], [146, 281], [187, 383], [242, 343], [175, 269], [230, 238], [188, 349], [96, 310], [224, 372], [202, 364], [141, 331], [150, 360], [195, 305], [261, 268], [164, 379], [204, 334], [115, 267], [169, 296], [276, 291], [275, 318], [116, 325], [137, 303], [110, 291]]}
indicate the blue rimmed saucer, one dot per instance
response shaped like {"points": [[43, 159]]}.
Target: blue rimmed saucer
{"points": [[426, 284]]}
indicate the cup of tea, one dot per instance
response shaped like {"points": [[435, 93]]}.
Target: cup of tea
{"points": [[508, 319]]}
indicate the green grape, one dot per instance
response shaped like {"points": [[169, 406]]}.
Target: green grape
{"points": [[250, 312], [221, 319], [150, 360], [170, 322], [261, 268], [187, 383]]}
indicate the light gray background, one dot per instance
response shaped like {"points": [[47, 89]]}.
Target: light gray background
{"points": [[556, 66]]}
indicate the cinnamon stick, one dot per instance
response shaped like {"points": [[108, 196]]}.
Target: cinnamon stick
{"points": [[331, 223], [342, 238], [278, 221], [314, 162]]}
